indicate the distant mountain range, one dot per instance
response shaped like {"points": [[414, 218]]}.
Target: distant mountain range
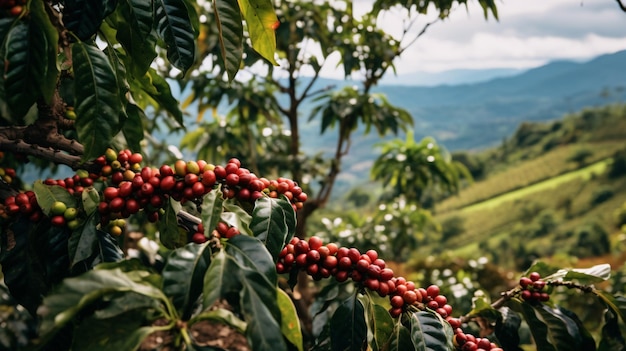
{"points": [[450, 77], [478, 115]]}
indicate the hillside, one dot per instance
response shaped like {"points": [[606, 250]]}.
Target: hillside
{"points": [[550, 189], [480, 115]]}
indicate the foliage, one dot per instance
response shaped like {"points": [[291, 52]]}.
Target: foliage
{"points": [[80, 80]]}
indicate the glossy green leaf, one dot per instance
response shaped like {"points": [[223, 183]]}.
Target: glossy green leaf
{"points": [[174, 27], [211, 210], [83, 17], [595, 274], [26, 50], [97, 99], [230, 27], [549, 331], [274, 223], [135, 33], [47, 82], [616, 303], [429, 332], [481, 306], [290, 322], [220, 279], [348, 330], [133, 127], [612, 339], [84, 240], [383, 325], [507, 329], [159, 90], [400, 338], [24, 278], [183, 275], [170, 235], [261, 20], [125, 332], [47, 195], [563, 333], [75, 294], [236, 216], [90, 198], [542, 268], [220, 315], [245, 268]]}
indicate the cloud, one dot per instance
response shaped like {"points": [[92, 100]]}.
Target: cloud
{"points": [[529, 33]]}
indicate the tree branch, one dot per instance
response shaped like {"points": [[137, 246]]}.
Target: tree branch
{"points": [[42, 152], [621, 5]]}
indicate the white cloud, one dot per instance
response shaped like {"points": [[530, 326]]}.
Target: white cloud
{"points": [[529, 33]]}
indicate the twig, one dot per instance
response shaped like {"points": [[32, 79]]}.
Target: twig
{"points": [[621, 5]]}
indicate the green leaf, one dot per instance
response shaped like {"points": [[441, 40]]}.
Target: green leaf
{"points": [[22, 273], [83, 17], [170, 235], [97, 99], [482, 307], [612, 339], [274, 223], [236, 216], [125, 332], [548, 328], [244, 267], [47, 195], [348, 330], [91, 199], [230, 29], [595, 274], [159, 90], [616, 303], [183, 275], [290, 322], [222, 316], [220, 279], [84, 240], [49, 80], [429, 332], [507, 329], [25, 64], [174, 27], [211, 210], [133, 127], [261, 20], [400, 339], [383, 325], [73, 295], [135, 33]]}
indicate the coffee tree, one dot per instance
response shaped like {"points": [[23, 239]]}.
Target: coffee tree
{"points": [[82, 83]]}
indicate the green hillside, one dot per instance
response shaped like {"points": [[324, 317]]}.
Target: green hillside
{"points": [[549, 189]]}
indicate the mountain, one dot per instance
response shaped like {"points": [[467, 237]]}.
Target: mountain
{"points": [[480, 115], [450, 77]]}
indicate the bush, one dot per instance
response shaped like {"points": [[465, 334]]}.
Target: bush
{"points": [[601, 195]]}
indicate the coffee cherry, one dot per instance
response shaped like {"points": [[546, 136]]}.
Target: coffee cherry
{"points": [[58, 207], [57, 221], [409, 297], [534, 276], [70, 213], [433, 291], [525, 281], [198, 238]]}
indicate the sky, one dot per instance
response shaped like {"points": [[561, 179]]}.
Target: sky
{"points": [[529, 33]]}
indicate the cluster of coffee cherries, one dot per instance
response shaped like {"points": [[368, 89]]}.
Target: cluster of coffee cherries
{"points": [[533, 288], [322, 261], [468, 342], [133, 188], [222, 230], [12, 8]]}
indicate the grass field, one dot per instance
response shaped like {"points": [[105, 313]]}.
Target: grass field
{"points": [[527, 173]]}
